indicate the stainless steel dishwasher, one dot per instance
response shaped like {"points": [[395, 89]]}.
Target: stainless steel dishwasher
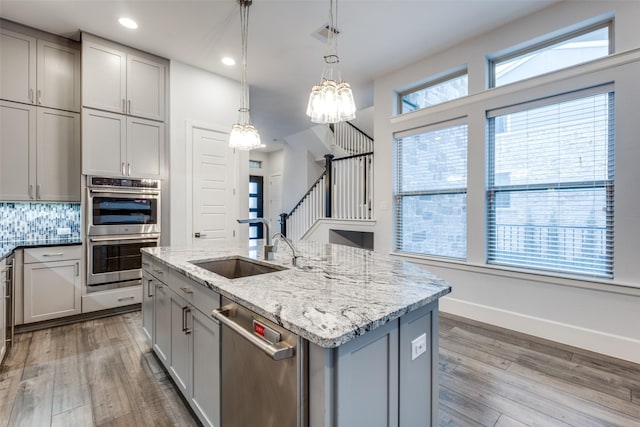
{"points": [[263, 372]]}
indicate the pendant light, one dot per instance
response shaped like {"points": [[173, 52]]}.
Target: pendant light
{"points": [[331, 100], [244, 136]]}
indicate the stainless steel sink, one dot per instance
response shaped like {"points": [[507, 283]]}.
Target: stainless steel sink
{"points": [[236, 267]]}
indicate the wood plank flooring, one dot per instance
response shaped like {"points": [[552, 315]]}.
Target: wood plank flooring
{"points": [[102, 373]]}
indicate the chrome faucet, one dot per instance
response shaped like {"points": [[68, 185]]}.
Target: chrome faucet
{"points": [[268, 247], [276, 238]]}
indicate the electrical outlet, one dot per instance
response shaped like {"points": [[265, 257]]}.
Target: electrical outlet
{"points": [[418, 346], [63, 231]]}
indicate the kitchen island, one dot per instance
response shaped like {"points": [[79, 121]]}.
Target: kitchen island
{"points": [[368, 323]]}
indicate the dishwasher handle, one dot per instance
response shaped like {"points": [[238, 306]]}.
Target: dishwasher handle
{"points": [[278, 351]]}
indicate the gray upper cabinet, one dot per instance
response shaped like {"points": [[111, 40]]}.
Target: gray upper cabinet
{"points": [[39, 153], [38, 71], [121, 80]]}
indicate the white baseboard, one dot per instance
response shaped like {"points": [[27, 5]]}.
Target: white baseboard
{"points": [[588, 339]]}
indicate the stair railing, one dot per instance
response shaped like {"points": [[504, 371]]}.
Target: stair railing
{"points": [[343, 191], [351, 139]]}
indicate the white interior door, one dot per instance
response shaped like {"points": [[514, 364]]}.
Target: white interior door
{"points": [[275, 201], [213, 186]]}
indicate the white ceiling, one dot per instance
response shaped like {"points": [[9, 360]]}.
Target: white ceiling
{"points": [[284, 55]]}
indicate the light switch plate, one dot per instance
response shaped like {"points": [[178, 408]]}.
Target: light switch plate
{"points": [[418, 346]]}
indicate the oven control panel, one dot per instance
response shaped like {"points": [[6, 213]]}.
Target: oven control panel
{"points": [[96, 181]]}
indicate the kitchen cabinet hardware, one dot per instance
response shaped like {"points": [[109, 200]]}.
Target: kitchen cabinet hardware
{"points": [[31, 95], [124, 298], [39, 97], [124, 108], [38, 192], [53, 254], [128, 169], [31, 191], [129, 106], [77, 269], [149, 284]]}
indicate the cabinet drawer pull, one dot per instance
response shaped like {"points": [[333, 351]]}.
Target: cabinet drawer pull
{"points": [[186, 290], [77, 269], [124, 298], [39, 97], [54, 254], [128, 169], [145, 264], [158, 271], [38, 192], [31, 96], [31, 191], [124, 110], [129, 106]]}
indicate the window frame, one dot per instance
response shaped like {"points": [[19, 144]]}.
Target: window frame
{"points": [[492, 190], [398, 194], [492, 60], [429, 83]]}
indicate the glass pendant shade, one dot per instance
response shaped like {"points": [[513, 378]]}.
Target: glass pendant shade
{"points": [[244, 136], [331, 101]]}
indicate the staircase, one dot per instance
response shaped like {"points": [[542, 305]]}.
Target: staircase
{"points": [[343, 191]]}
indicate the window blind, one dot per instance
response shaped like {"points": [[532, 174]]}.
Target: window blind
{"points": [[551, 184], [431, 192]]}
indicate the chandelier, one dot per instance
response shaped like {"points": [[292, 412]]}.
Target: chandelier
{"points": [[244, 136], [331, 100]]}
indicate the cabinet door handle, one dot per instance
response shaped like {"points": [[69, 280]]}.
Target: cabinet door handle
{"points": [[31, 191], [31, 96], [128, 169], [124, 110], [129, 106], [39, 97], [77, 269], [38, 192], [185, 327], [186, 290], [124, 298], [149, 284], [122, 169]]}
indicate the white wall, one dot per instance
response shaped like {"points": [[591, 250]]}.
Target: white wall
{"points": [[601, 315], [197, 96]]}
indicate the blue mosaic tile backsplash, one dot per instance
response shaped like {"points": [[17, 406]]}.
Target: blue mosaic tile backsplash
{"points": [[23, 222]]}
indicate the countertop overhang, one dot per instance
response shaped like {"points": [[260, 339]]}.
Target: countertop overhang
{"points": [[334, 294]]}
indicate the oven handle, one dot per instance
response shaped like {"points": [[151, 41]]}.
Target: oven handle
{"points": [[121, 192], [115, 239]]}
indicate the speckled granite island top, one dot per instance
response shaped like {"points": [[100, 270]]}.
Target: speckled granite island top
{"points": [[335, 293]]}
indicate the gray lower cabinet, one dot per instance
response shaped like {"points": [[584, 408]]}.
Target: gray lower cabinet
{"points": [[148, 289], [185, 338], [162, 322]]}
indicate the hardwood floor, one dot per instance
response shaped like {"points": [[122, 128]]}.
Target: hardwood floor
{"points": [[494, 377], [102, 373]]}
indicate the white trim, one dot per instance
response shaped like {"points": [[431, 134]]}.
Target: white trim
{"points": [[603, 64], [589, 339]]}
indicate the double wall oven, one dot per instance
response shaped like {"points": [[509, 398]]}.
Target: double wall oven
{"points": [[123, 216]]}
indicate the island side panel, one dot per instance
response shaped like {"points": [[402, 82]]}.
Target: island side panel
{"points": [[419, 376], [373, 381], [359, 385]]}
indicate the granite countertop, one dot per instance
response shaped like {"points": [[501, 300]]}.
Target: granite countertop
{"points": [[7, 247], [335, 293]]}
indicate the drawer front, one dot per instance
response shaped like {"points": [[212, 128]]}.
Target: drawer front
{"points": [[51, 253], [203, 299], [110, 299], [155, 268]]}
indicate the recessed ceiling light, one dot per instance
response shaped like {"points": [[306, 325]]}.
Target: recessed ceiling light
{"points": [[128, 22], [228, 61]]}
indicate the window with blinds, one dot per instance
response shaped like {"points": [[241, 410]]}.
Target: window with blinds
{"points": [[551, 182], [451, 87], [431, 192]]}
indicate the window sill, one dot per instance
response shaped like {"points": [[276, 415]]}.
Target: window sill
{"points": [[597, 284]]}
